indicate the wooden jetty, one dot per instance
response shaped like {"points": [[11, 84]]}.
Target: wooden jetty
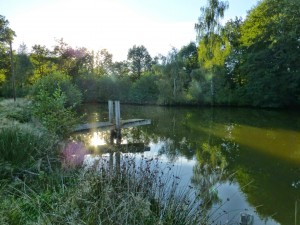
{"points": [[112, 124]]}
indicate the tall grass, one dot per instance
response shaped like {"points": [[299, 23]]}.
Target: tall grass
{"points": [[14, 113], [129, 192], [23, 149], [134, 192]]}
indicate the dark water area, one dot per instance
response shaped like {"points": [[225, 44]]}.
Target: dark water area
{"points": [[248, 159]]}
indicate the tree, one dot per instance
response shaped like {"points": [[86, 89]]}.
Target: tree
{"points": [[24, 68], [270, 42], [232, 32], [188, 55], [120, 69], [6, 37], [208, 27], [42, 62], [172, 74], [103, 63], [139, 61], [73, 61]]}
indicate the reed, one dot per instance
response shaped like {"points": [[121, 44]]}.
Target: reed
{"points": [[132, 192]]}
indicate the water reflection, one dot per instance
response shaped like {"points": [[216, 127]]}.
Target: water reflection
{"points": [[208, 174], [279, 143], [100, 142], [261, 148]]}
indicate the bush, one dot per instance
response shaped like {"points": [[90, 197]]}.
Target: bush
{"points": [[51, 111], [52, 82]]}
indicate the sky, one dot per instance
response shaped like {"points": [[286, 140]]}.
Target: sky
{"points": [[115, 25]]}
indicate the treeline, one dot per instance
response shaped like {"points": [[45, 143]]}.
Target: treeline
{"points": [[251, 62]]}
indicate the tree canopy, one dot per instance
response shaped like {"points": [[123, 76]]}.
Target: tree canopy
{"points": [[139, 61], [244, 62]]}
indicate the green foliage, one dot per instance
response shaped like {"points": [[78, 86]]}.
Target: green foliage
{"points": [[4, 64], [144, 90], [139, 60], [199, 92], [103, 63], [107, 89], [165, 92], [73, 62], [51, 110], [42, 62], [188, 56], [209, 20], [214, 52], [88, 85], [269, 60], [120, 69], [254, 62], [24, 68], [55, 81], [6, 54]]}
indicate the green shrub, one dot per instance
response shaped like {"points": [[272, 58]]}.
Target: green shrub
{"points": [[52, 82], [51, 111]]}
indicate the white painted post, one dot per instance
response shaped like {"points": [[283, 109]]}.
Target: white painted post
{"points": [[110, 111]]}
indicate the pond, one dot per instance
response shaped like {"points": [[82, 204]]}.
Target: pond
{"points": [[248, 159]]}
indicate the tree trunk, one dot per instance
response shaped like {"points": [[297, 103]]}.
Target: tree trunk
{"points": [[12, 71], [212, 90], [174, 87]]}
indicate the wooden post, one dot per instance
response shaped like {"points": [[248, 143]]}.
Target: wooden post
{"points": [[118, 115], [110, 111]]}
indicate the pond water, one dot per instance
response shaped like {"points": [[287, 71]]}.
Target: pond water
{"points": [[248, 159]]}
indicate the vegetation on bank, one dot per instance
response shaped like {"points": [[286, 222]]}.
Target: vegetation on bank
{"points": [[43, 182], [250, 62]]}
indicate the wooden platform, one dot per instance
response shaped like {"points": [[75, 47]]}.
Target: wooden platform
{"points": [[110, 126]]}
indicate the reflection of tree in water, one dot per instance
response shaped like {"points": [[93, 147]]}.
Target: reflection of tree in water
{"points": [[208, 173], [173, 149], [135, 135], [183, 132]]}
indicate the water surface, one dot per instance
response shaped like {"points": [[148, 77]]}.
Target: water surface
{"points": [[249, 160]]}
